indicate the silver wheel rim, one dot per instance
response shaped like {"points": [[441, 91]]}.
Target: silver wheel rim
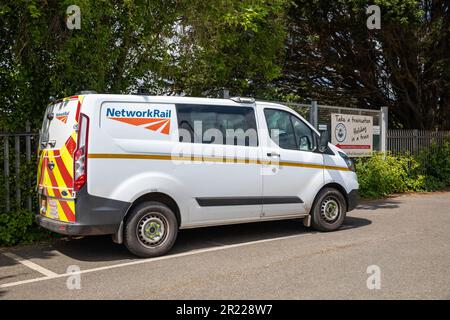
{"points": [[152, 229], [330, 210]]}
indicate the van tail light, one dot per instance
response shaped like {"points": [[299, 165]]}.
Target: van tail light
{"points": [[80, 155]]}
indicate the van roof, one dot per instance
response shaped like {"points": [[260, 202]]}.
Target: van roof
{"points": [[174, 99], [193, 100]]}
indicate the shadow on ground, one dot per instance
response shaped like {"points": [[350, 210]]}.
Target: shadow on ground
{"points": [[379, 204], [101, 248], [40, 251]]}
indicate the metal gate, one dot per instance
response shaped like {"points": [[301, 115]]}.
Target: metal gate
{"points": [[413, 141], [19, 159]]}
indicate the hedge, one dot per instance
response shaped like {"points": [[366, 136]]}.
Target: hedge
{"points": [[385, 174]]}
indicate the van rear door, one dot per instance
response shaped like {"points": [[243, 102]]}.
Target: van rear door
{"points": [[57, 145]]}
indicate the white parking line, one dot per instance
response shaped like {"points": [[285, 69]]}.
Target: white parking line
{"points": [[29, 264], [141, 261]]}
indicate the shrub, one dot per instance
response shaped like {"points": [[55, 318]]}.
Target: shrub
{"points": [[19, 227], [436, 164], [380, 175]]}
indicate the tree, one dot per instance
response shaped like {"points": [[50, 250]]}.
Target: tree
{"points": [[230, 44], [119, 42], [331, 56], [167, 46]]}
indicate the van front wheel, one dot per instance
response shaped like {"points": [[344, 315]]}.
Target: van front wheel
{"points": [[151, 229], [329, 210]]}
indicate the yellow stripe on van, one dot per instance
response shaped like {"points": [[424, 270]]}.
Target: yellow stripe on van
{"points": [[210, 159], [67, 159], [59, 179], [71, 205], [50, 192], [61, 214], [39, 171], [55, 171]]}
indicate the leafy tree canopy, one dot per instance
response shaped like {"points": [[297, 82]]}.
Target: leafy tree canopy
{"points": [[331, 56], [273, 49], [167, 46]]}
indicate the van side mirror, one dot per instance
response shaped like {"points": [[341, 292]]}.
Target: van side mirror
{"points": [[324, 140]]}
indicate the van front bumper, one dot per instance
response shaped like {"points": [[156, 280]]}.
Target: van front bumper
{"points": [[352, 199], [74, 228]]}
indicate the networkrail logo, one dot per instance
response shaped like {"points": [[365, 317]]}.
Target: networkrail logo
{"points": [[150, 119], [62, 116]]}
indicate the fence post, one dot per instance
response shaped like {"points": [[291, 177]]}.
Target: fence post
{"points": [[314, 114], [415, 142], [383, 121], [17, 168], [226, 93], [28, 155], [6, 173]]}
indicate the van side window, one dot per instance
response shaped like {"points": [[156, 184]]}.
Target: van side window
{"points": [[280, 128], [288, 131], [306, 139], [217, 125]]}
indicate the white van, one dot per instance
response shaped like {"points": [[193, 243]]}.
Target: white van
{"points": [[142, 167]]}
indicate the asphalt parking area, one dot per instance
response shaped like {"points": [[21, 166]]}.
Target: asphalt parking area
{"points": [[408, 237]]}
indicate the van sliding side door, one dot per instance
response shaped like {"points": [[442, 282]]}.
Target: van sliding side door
{"points": [[224, 179]]}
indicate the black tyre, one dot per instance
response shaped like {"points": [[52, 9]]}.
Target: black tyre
{"points": [[150, 230], [328, 212]]}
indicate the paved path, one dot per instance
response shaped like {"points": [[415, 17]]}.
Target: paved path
{"points": [[406, 238]]}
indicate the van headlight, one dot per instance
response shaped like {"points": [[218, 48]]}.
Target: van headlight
{"points": [[348, 161]]}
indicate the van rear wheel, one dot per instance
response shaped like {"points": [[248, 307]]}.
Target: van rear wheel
{"points": [[329, 210], [151, 229]]}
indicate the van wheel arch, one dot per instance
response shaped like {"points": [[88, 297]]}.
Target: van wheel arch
{"points": [[336, 186], [158, 197], [151, 196], [329, 209]]}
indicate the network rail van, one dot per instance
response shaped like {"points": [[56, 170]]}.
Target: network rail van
{"points": [[143, 167]]}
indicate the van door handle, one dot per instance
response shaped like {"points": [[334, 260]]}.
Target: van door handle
{"points": [[273, 154]]}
